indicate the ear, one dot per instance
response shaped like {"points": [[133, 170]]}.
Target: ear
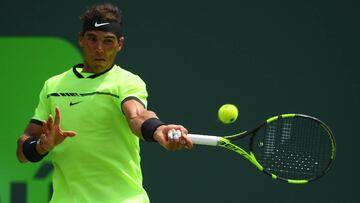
{"points": [[121, 43], [80, 40]]}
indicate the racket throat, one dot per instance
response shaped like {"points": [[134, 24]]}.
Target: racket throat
{"points": [[249, 156]]}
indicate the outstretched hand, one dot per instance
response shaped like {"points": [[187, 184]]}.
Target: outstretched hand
{"points": [[161, 135], [52, 134]]}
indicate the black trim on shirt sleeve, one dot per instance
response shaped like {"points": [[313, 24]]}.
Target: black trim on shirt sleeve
{"points": [[131, 98], [34, 121]]}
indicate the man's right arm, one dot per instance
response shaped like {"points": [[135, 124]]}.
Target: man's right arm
{"points": [[46, 136], [32, 130]]}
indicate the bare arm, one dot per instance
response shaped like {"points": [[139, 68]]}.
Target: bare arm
{"points": [[136, 114]]}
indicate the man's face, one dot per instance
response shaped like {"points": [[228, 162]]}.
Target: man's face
{"points": [[100, 49]]}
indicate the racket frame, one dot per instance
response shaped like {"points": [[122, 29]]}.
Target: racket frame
{"points": [[227, 142]]}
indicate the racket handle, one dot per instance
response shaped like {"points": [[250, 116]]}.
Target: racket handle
{"points": [[204, 139]]}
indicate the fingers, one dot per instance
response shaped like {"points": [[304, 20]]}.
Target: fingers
{"points": [[187, 141], [53, 131], [52, 134], [173, 138], [69, 133], [177, 138], [44, 127], [57, 116], [174, 135], [49, 124]]}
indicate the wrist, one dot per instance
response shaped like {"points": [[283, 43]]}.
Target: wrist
{"points": [[157, 134], [30, 150], [149, 127], [40, 149]]}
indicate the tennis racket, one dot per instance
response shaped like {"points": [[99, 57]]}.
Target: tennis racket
{"points": [[291, 147]]}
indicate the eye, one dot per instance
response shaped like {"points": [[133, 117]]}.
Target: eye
{"points": [[91, 38], [109, 41]]}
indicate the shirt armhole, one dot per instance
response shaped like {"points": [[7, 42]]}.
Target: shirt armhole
{"points": [[37, 122], [131, 98]]}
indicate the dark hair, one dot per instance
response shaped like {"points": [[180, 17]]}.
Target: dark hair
{"points": [[105, 12]]}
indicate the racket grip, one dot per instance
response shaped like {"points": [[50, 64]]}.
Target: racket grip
{"points": [[204, 139]]}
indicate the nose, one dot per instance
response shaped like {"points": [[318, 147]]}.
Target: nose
{"points": [[99, 47]]}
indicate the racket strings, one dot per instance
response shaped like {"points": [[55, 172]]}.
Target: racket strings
{"points": [[293, 148]]}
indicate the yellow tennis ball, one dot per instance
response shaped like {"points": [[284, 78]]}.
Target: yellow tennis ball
{"points": [[228, 113]]}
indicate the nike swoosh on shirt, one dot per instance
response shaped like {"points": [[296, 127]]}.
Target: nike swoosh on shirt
{"points": [[100, 24], [74, 103]]}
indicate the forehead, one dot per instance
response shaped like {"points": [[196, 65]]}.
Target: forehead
{"points": [[100, 34]]}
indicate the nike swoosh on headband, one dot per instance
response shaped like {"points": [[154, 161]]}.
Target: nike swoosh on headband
{"points": [[100, 24]]}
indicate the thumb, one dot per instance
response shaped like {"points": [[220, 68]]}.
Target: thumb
{"points": [[69, 133]]}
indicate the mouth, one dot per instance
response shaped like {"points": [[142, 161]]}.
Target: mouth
{"points": [[99, 59]]}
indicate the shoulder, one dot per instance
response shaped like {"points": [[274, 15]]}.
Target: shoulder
{"points": [[57, 81], [126, 76], [56, 78]]}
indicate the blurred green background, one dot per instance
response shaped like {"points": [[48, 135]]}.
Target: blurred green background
{"points": [[267, 57]]}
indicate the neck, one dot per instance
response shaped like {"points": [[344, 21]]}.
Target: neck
{"points": [[94, 69]]}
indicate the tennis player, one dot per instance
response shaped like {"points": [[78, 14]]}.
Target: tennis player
{"points": [[94, 142]]}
